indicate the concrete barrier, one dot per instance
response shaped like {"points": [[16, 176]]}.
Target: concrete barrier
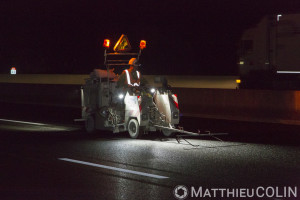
{"points": [[41, 94], [244, 105], [231, 104], [224, 82], [52, 79]]}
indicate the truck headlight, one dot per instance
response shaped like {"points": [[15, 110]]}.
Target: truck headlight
{"points": [[152, 90]]}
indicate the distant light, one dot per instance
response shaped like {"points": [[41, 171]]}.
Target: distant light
{"points": [[238, 81], [121, 96], [288, 72], [242, 62], [278, 17], [152, 90], [13, 71]]}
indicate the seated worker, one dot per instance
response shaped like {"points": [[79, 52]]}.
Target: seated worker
{"points": [[130, 80], [130, 77]]}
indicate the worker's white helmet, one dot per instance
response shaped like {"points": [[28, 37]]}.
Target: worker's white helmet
{"points": [[133, 61]]}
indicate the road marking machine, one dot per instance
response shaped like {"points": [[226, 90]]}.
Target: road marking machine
{"points": [[136, 108]]}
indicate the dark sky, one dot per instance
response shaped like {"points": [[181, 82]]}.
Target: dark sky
{"points": [[183, 37]]}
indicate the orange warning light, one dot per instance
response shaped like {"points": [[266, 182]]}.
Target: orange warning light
{"points": [[143, 44], [106, 43]]}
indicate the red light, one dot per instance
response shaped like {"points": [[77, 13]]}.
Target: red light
{"points": [[13, 70], [143, 44], [106, 43]]}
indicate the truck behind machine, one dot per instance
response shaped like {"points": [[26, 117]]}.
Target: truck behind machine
{"points": [[269, 53]]}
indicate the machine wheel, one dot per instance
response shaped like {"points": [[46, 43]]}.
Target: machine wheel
{"points": [[90, 124], [168, 133], [133, 128]]}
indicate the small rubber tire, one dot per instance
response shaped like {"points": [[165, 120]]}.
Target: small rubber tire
{"points": [[90, 124], [133, 128]]}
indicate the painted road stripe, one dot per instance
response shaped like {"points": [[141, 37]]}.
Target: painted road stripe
{"points": [[22, 122], [288, 72], [113, 168]]}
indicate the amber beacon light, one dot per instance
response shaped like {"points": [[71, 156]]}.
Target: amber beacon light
{"points": [[143, 44], [106, 43]]}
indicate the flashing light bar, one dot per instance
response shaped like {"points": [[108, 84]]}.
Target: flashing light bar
{"points": [[288, 72]]}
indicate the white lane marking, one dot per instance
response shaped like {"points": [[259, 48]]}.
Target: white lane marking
{"points": [[114, 168], [288, 72], [22, 122]]}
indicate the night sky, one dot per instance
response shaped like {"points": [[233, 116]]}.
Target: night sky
{"points": [[183, 37]]}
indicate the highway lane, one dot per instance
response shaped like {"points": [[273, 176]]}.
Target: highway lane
{"points": [[50, 161]]}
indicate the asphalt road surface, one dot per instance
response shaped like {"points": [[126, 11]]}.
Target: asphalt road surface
{"points": [[56, 159]]}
